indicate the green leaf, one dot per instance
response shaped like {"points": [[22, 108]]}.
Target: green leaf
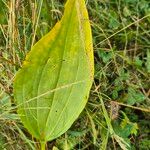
{"points": [[134, 96], [138, 62], [125, 128], [52, 87], [113, 20], [115, 94], [126, 11], [105, 56], [72, 138], [134, 128]]}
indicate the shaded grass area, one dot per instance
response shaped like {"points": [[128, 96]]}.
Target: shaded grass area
{"points": [[118, 110]]}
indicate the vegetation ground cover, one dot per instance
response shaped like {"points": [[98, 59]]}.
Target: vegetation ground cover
{"points": [[119, 103]]}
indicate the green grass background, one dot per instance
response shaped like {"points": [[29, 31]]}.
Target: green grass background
{"points": [[117, 115]]}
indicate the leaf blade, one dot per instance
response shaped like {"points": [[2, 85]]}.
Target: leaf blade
{"points": [[62, 57]]}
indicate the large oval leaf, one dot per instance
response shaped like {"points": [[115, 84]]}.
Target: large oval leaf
{"points": [[52, 87]]}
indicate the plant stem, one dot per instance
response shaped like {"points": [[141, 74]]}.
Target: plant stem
{"points": [[43, 143]]}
